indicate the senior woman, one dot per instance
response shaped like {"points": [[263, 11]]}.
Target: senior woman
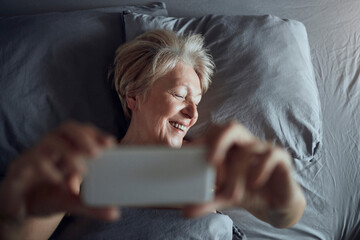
{"points": [[160, 78]]}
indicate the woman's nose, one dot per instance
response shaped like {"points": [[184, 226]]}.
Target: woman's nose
{"points": [[191, 110]]}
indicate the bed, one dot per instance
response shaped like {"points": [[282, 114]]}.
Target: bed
{"points": [[319, 104]]}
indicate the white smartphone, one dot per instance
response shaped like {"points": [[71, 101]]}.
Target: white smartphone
{"points": [[149, 176]]}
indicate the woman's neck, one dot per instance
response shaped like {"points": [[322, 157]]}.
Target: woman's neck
{"points": [[134, 136]]}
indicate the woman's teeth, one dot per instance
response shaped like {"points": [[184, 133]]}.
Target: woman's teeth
{"points": [[178, 126]]}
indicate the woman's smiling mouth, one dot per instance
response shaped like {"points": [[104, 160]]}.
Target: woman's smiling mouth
{"points": [[178, 126]]}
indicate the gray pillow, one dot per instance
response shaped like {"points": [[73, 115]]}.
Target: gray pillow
{"points": [[54, 67], [264, 76]]}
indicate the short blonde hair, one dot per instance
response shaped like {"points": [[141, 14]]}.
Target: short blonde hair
{"points": [[139, 63]]}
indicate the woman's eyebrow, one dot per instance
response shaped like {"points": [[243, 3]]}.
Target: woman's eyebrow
{"points": [[197, 95], [189, 88]]}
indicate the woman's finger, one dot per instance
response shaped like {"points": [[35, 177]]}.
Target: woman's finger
{"points": [[270, 160], [86, 137], [53, 147], [222, 139], [234, 184], [79, 137], [74, 204], [104, 213], [198, 210], [54, 150], [46, 171]]}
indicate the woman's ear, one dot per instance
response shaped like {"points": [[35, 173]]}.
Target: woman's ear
{"points": [[131, 102]]}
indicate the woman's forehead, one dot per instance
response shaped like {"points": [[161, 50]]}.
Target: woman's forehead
{"points": [[182, 75]]}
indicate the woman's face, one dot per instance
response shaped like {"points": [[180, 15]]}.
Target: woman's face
{"points": [[170, 107]]}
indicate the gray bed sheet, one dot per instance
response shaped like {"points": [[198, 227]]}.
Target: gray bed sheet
{"points": [[331, 183]]}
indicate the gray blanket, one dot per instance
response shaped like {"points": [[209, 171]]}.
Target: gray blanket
{"points": [[154, 224]]}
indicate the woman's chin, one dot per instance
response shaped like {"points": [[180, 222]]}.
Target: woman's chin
{"points": [[175, 142]]}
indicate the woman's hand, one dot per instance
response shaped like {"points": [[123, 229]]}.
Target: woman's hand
{"points": [[46, 179], [253, 175]]}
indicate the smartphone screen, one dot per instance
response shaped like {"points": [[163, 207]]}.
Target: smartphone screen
{"points": [[149, 176]]}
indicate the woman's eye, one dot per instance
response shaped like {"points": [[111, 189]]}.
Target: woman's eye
{"points": [[176, 95]]}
